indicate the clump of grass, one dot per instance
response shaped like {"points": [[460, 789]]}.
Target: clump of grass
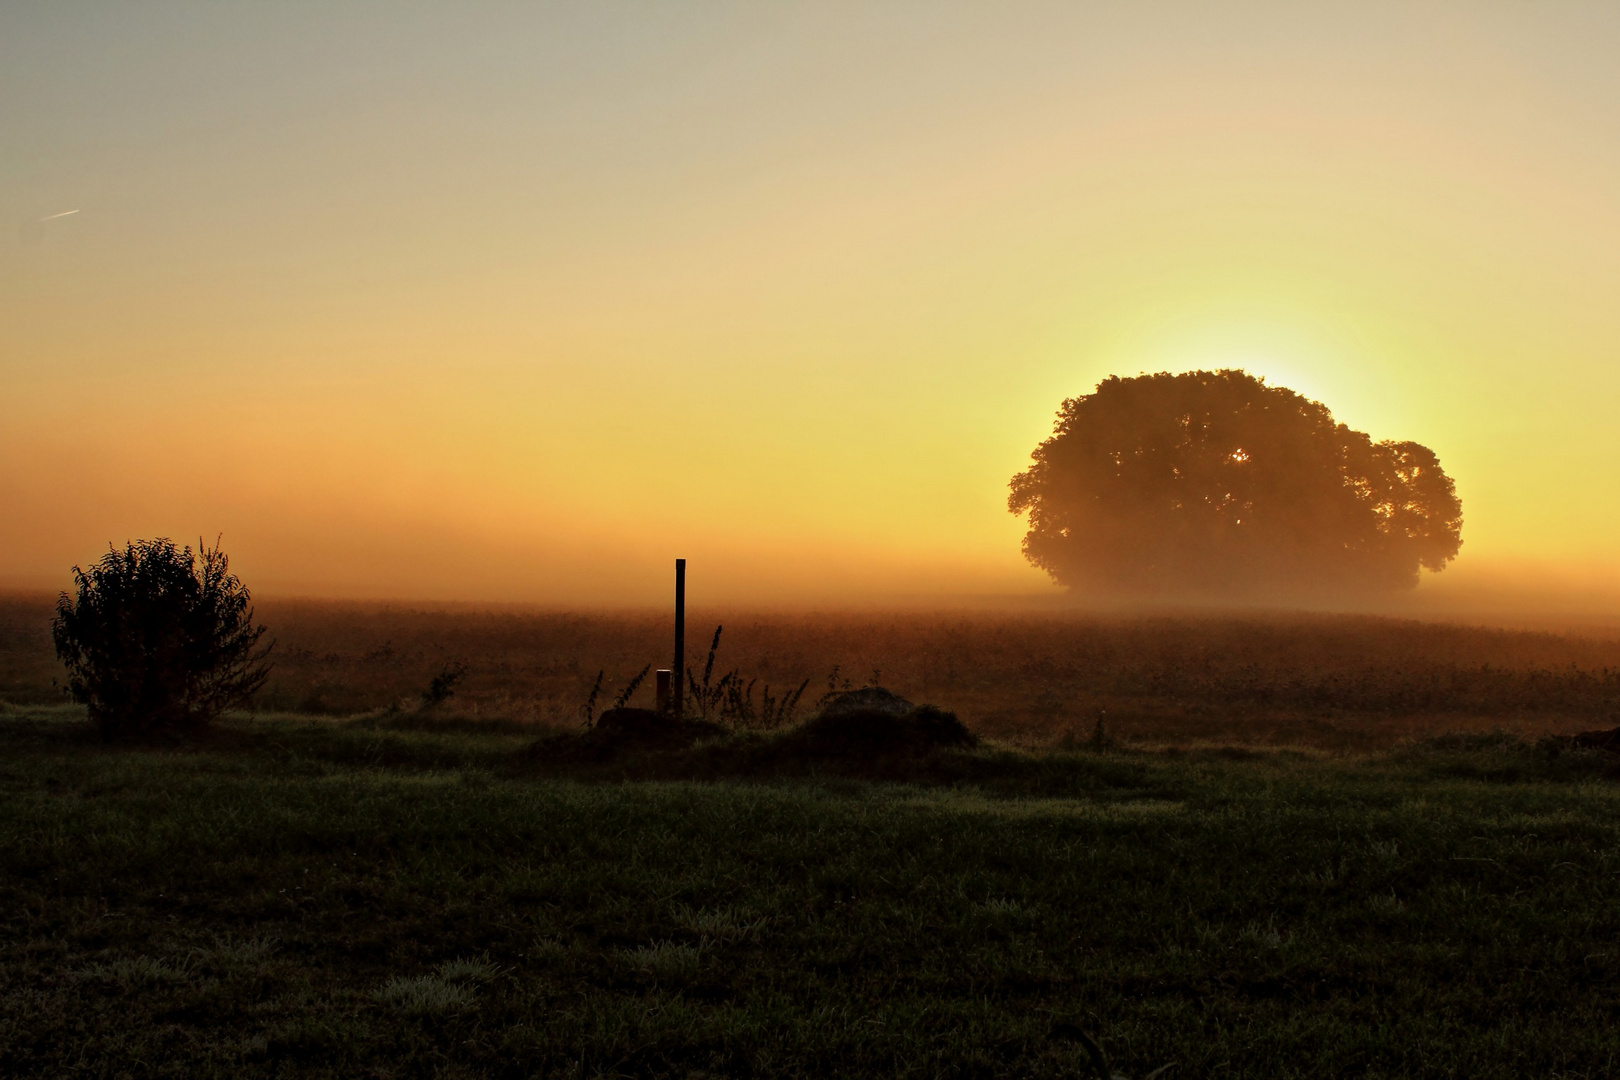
{"points": [[1263, 935], [1097, 742], [425, 995], [442, 687], [587, 711], [1005, 908], [703, 696], [238, 953], [443, 992], [719, 924], [477, 968], [630, 688], [1095, 1057], [666, 959], [1386, 905], [776, 713], [551, 949], [731, 700], [136, 971]]}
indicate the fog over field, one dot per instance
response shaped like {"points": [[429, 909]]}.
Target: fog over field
{"points": [[1030, 677], [518, 307]]}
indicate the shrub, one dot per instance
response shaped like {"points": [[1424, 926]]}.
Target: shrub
{"points": [[442, 687], [159, 638]]}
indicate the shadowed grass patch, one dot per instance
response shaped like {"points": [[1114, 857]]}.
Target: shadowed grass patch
{"points": [[275, 903]]}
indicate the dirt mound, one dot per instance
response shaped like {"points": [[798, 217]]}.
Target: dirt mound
{"points": [[866, 699], [1595, 740], [651, 730], [880, 732], [867, 742]]}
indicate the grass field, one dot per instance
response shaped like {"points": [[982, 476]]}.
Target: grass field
{"points": [[398, 896]]}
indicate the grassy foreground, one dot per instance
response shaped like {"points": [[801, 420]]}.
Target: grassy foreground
{"points": [[299, 897]]}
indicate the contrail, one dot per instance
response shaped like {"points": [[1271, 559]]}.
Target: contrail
{"points": [[32, 230]]}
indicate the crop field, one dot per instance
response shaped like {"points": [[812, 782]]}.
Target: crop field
{"points": [[1330, 682], [1293, 848]]}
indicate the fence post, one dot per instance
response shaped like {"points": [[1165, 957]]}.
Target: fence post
{"points": [[678, 671], [661, 692]]}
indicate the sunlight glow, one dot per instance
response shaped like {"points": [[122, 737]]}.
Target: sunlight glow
{"points": [[794, 294]]}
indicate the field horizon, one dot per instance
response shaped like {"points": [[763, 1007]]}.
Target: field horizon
{"points": [[1325, 680]]}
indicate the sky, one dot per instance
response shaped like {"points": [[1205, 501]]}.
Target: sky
{"points": [[520, 302]]}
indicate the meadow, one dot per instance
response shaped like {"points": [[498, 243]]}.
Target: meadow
{"points": [[396, 897], [1296, 847]]}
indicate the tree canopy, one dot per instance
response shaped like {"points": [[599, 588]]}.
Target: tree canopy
{"points": [[1212, 483]]}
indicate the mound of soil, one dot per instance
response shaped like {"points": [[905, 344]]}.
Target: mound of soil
{"points": [[879, 732], [650, 730], [1595, 740], [854, 740], [619, 733], [865, 700]]}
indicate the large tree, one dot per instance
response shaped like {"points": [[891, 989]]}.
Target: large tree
{"points": [[1211, 483]]}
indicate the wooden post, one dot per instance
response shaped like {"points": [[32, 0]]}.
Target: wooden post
{"points": [[679, 670], [661, 692]]}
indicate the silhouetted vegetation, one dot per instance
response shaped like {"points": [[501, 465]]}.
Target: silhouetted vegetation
{"points": [[630, 687], [730, 699], [159, 638], [442, 687], [587, 711], [1213, 484]]}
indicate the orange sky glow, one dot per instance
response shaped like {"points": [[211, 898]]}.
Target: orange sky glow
{"points": [[517, 303]]}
